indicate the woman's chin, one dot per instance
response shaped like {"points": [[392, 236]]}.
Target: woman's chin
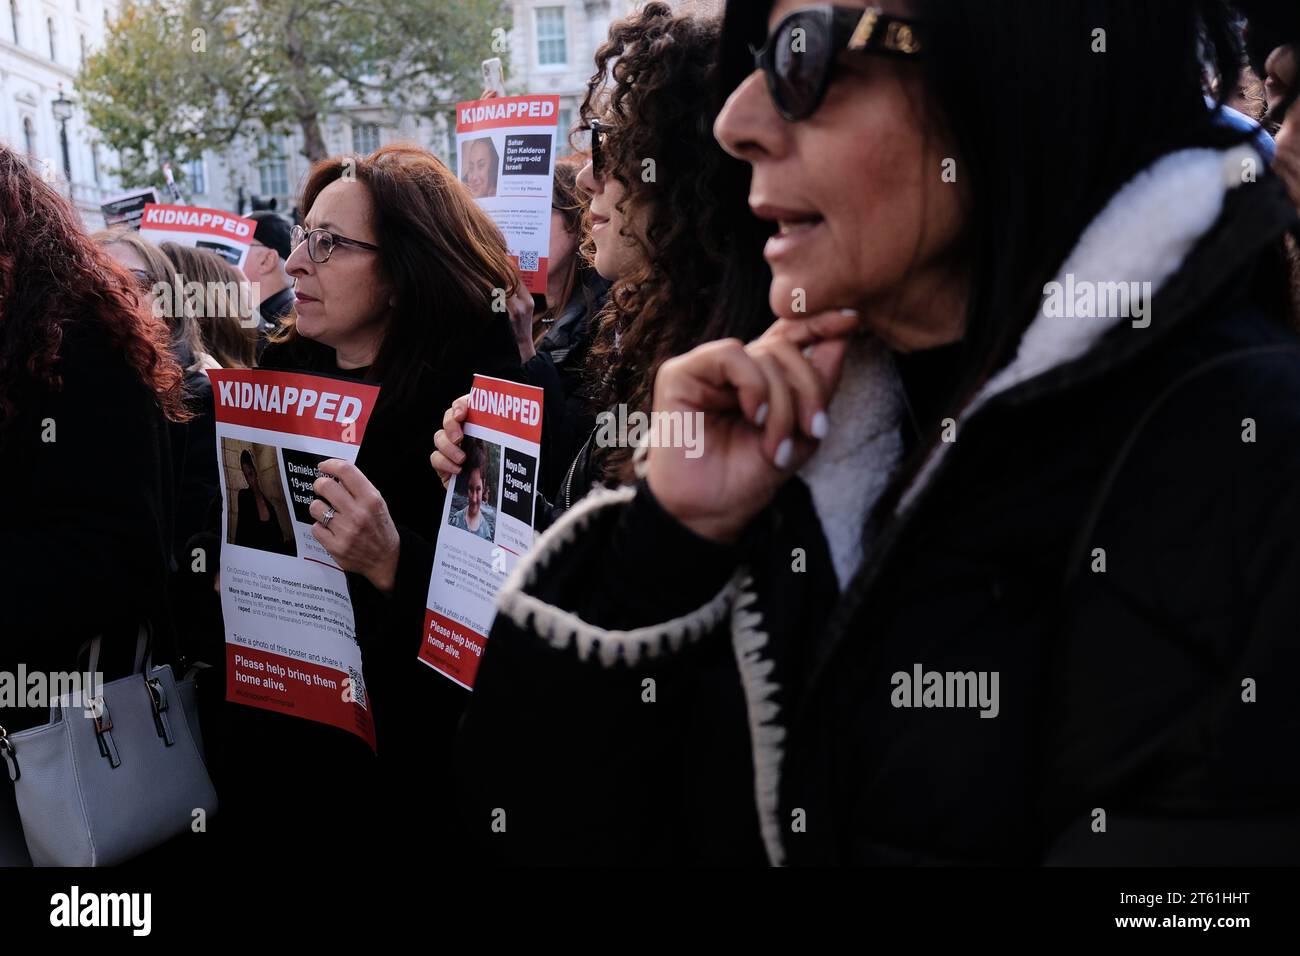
{"points": [[788, 297], [308, 328]]}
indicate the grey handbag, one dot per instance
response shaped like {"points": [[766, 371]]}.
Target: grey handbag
{"points": [[99, 790]]}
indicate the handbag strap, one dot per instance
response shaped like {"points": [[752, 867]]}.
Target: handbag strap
{"points": [[143, 660]]}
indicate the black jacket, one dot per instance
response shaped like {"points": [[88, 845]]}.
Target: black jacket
{"points": [[329, 782], [774, 731], [85, 544]]}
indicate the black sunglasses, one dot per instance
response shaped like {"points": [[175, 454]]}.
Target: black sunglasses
{"points": [[799, 56], [321, 243], [598, 131]]}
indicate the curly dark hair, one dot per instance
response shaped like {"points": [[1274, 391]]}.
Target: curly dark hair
{"points": [[52, 277], [703, 275]]}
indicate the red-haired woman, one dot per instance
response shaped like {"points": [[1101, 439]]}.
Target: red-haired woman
{"points": [[87, 384]]}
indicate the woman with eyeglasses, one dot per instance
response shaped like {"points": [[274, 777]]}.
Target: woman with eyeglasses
{"points": [[396, 270], [1011, 597], [673, 237]]}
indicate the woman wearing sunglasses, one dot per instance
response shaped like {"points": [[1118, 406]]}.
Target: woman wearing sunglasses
{"points": [[1036, 628], [395, 269]]}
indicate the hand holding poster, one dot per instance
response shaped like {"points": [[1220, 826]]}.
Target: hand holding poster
{"points": [[291, 641], [507, 159], [224, 233], [487, 523]]}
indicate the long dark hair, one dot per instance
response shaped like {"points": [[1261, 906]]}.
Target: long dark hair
{"points": [[52, 278], [1046, 131], [704, 275], [444, 256]]}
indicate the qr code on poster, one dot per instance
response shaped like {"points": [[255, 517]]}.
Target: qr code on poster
{"points": [[528, 262], [358, 685]]}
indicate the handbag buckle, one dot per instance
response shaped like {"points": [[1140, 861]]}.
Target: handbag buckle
{"points": [[103, 730], [99, 713], [159, 697]]}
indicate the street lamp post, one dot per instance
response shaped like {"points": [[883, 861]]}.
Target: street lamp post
{"points": [[62, 113]]}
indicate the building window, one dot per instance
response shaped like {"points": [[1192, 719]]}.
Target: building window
{"points": [[365, 138], [94, 163], [273, 169], [49, 26], [195, 173], [562, 127], [29, 137], [13, 18], [83, 49], [551, 47]]}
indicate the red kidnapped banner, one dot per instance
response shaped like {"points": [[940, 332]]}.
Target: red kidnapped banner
{"points": [[506, 407], [293, 404], [192, 219], [499, 112]]}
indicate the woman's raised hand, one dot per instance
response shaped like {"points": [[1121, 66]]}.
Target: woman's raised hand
{"points": [[762, 409]]}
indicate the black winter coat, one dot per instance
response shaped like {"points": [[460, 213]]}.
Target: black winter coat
{"points": [[1162, 691], [86, 542]]}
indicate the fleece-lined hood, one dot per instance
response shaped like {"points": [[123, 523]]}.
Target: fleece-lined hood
{"points": [[1126, 256]]}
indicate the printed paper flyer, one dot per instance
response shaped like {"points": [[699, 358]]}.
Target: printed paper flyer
{"points": [[291, 642], [506, 146], [487, 523], [126, 209], [224, 233]]}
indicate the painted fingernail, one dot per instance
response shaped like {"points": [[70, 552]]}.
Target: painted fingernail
{"points": [[808, 350], [821, 425], [760, 416], [784, 452]]}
